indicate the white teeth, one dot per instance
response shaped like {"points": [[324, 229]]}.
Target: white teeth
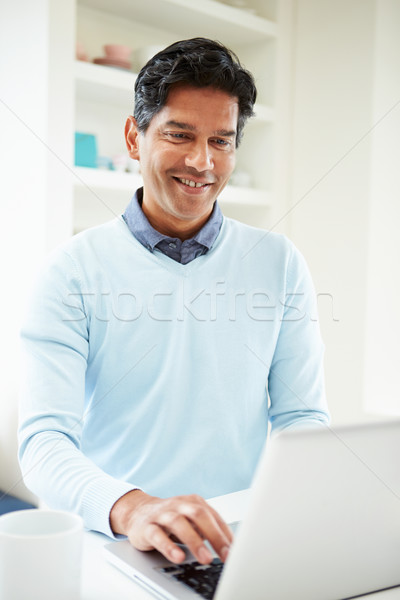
{"points": [[191, 183]]}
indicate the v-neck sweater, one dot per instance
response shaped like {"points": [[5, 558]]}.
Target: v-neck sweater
{"points": [[144, 372]]}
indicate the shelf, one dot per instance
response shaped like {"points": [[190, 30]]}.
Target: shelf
{"points": [[103, 179], [104, 84], [206, 18], [116, 87], [98, 179]]}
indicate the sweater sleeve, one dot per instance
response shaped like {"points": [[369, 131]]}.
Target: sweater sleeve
{"points": [[55, 348], [296, 378]]}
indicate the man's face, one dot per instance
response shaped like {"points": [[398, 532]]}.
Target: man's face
{"points": [[186, 157]]}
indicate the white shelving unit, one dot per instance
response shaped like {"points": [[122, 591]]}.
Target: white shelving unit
{"points": [[212, 17], [104, 95]]}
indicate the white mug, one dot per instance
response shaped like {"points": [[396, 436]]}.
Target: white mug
{"points": [[40, 555]]}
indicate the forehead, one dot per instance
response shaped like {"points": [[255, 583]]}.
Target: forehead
{"points": [[200, 107]]}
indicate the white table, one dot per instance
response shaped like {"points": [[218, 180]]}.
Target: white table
{"points": [[102, 581]]}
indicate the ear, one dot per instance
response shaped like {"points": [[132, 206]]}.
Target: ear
{"points": [[132, 138]]}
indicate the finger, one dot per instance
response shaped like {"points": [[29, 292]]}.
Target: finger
{"points": [[211, 528], [158, 539], [179, 526], [224, 526]]}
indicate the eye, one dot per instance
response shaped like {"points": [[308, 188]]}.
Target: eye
{"points": [[176, 135], [223, 143]]}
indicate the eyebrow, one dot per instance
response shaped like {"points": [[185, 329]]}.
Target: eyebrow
{"points": [[180, 125], [189, 127]]}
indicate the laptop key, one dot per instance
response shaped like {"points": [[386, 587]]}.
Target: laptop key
{"points": [[202, 579]]}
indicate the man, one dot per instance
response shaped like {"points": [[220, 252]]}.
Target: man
{"points": [[161, 344]]}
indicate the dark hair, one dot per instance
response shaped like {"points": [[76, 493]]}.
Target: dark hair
{"points": [[199, 62]]}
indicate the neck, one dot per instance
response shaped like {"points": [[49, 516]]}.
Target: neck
{"points": [[176, 228]]}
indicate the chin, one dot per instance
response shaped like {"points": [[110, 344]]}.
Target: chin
{"points": [[202, 209]]}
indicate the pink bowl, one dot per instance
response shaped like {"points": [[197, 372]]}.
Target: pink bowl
{"points": [[117, 51]]}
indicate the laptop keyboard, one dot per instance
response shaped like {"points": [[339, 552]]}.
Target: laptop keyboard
{"points": [[203, 579]]}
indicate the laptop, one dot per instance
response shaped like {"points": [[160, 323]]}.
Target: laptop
{"points": [[322, 523]]}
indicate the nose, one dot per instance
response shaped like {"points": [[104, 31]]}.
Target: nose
{"points": [[200, 157]]}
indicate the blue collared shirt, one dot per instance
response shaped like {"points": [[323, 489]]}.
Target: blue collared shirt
{"points": [[180, 251]]}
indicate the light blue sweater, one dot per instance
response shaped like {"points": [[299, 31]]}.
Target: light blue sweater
{"points": [[143, 372]]}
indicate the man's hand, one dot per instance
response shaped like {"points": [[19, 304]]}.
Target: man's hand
{"points": [[149, 523]]}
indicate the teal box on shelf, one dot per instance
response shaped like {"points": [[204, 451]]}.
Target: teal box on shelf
{"points": [[85, 150]]}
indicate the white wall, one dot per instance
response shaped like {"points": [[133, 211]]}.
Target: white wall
{"points": [[33, 217], [382, 358], [336, 220]]}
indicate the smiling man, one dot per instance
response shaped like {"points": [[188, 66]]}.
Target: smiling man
{"points": [[186, 156], [161, 345]]}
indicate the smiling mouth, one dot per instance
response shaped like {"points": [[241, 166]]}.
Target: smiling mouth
{"points": [[190, 183]]}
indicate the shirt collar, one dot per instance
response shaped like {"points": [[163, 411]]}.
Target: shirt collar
{"points": [[149, 237]]}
